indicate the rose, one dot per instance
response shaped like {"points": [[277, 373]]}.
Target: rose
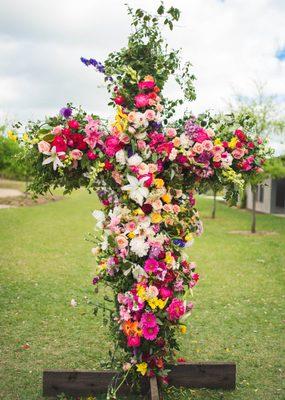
{"points": [[165, 292], [77, 141], [238, 153], [91, 155], [59, 144], [198, 148], [57, 130], [73, 124], [134, 341], [240, 135], [122, 241], [112, 145], [43, 146], [119, 100], [76, 154], [141, 100], [108, 166], [150, 115]]}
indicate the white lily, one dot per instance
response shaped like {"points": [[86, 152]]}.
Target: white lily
{"points": [[100, 216], [137, 191], [53, 158]]}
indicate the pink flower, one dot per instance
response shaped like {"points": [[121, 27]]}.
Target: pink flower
{"points": [[176, 309], [150, 115], [134, 341], [141, 100], [198, 148], [148, 319], [122, 241], [141, 144], [112, 145], [207, 145], [146, 85], [150, 332], [171, 132], [201, 135], [165, 292], [91, 155], [43, 146], [76, 154], [57, 130], [238, 153], [151, 265]]}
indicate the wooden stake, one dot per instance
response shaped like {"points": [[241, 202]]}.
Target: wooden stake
{"points": [[154, 393]]}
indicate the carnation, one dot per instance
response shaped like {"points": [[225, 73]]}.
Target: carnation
{"points": [[139, 246]]}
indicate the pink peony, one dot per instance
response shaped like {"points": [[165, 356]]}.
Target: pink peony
{"points": [[150, 332], [146, 85], [151, 265], [43, 146], [176, 309], [112, 145], [141, 100], [148, 319]]}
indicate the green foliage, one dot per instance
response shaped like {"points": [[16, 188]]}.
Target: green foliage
{"points": [[148, 53], [275, 167], [11, 166]]}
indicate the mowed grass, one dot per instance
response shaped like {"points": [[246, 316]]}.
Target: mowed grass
{"points": [[45, 262]]}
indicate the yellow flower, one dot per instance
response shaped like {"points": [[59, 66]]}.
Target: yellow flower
{"points": [[121, 120], [12, 136], [168, 258], [142, 368], [156, 218], [217, 142], [25, 137], [149, 78], [233, 142], [161, 303], [152, 303], [131, 235], [159, 183], [166, 198], [183, 329], [188, 237], [138, 211], [141, 292]]}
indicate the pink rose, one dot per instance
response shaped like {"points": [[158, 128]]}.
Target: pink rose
{"points": [[141, 100], [176, 309], [207, 145], [198, 148], [134, 341], [76, 154], [171, 132], [150, 115], [238, 153], [141, 144], [122, 241], [43, 146], [201, 135], [57, 130]]}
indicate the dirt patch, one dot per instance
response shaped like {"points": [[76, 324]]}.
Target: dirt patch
{"points": [[258, 233], [27, 201], [4, 193]]}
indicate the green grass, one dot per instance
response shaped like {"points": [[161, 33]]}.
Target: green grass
{"points": [[45, 262]]}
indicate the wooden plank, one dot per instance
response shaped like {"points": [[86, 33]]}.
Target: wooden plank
{"points": [[154, 393], [189, 375], [203, 375]]}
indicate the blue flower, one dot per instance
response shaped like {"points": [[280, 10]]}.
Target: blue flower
{"points": [[179, 242]]}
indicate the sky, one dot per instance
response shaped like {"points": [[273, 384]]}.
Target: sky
{"points": [[230, 43]]}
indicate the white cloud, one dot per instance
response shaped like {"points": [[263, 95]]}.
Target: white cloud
{"points": [[229, 43]]}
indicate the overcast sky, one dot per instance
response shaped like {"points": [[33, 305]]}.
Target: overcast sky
{"points": [[229, 42]]}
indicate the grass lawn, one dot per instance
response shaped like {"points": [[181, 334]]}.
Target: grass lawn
{"points": [[45, 262]]}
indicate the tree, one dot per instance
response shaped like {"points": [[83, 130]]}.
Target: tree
{"points": [[264, 118]]}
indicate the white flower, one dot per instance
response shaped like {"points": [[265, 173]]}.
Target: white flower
{"points": [[139, 246], [173, 154], [73, 303], [184, 140], [135, 160], [100, 216], [121, 157], [53, 158], [137, 191]]}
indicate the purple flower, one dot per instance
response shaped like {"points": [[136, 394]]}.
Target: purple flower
{"points": [[97, 65], [65, 112], [96, 280]]}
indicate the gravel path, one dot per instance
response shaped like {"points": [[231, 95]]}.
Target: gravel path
{"points": [[10, 193]]}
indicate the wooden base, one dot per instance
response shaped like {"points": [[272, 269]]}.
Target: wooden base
{"points": [[188, 375]]}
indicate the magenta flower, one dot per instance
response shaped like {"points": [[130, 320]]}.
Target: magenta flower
{"points": [[148, 320], [176, 309], [151, 265], [141, 100], [134, 341], [150, 332]]}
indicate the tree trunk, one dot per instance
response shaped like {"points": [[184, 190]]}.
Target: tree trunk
{"points": [[254, 198], [214, 204]]}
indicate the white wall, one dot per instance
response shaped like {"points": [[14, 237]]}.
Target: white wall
{"points": [[265, 206]]}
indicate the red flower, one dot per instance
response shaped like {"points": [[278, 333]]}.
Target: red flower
{"points": [[240, 135], [73, 124], [109, 166], [119, 100], [59, 143], [91, 155], [181, 360], [77, 141]]}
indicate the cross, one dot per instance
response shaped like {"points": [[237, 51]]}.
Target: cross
{"points": [[145, 172]]}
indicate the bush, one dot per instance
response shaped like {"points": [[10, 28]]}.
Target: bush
{"points": [[11, 166]]}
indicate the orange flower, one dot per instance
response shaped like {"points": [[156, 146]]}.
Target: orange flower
{"points": [[131, 328]]}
